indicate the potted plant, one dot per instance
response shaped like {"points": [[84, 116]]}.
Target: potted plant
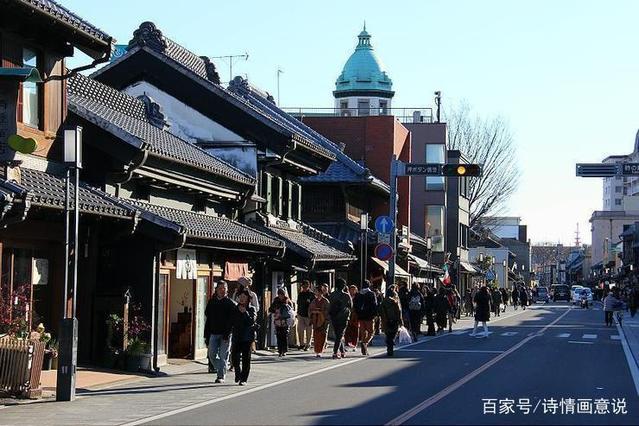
{"points": [[137, 350], [113, 355]]}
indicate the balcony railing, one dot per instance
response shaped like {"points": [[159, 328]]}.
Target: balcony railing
{"points": [[404, 115]]}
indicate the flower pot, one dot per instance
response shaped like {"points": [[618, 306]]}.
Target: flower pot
{"points": [[134, 363]]}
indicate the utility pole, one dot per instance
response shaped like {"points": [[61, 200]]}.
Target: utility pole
{"points": [[231, 59]]}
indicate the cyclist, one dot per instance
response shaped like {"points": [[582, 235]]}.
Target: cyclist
{"points": [[611, 303]]}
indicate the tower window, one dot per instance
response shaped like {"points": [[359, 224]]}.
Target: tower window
{"points": [[383, 107], [363, 107]]}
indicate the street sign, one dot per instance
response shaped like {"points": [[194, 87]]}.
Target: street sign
{"points": [[415, 169], [383, 251], [630, 169], [383, 238], [490, 275], [597, 170], [384, 224]]}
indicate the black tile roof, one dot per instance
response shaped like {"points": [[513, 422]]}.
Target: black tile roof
{"points": [[149, 36], [125, 117], [199, 225], [265, 104], [306, 243], [48, 190], [62, 14]]}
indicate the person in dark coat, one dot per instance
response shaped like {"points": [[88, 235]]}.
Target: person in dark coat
{"points": [[217, 329], [243, 337], [523, 297], [391, 318], [515, 297], [282, 310], [441, 309], [429, 311], [496, 295], [504, 298], [339, 312], [415, 309], [482, 311]]}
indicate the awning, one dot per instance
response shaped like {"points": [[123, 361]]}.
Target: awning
{"points": [[468, 268], [424, 265], [399, 271]]}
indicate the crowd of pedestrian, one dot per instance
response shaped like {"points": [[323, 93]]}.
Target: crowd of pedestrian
{"points": [[352, 315]]}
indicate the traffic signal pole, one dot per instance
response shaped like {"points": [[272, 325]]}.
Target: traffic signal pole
{"points": [[393, 215], [399, 168]]}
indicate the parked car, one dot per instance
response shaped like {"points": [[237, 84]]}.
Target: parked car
{"points": [[560, 292], [543, 295]]}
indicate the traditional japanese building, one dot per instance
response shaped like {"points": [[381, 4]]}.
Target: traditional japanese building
{"points": [[243, 126]]}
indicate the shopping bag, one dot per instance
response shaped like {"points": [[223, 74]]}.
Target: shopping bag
{"points": [[404, 336]]}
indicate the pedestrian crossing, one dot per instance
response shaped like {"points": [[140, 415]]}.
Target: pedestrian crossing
{"points": [[587, 337]]}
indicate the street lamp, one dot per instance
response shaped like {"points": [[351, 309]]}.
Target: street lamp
{"points": [[363, 226], [68, 341], [481, 257]]}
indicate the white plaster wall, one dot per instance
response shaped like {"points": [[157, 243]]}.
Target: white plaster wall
{"points": [[353, 100], [192, 126]]}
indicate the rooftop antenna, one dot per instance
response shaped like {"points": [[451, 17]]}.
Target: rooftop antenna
{"points": [[279, 71], [231, 59], [438, 104], [577, 238]]}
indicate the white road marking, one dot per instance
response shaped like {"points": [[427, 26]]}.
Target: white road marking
{"points": [[615, 337], [509, 333], [589, 336], [402, 418], [630, 359], [581, 342], [290, 379], [469, 351], [458, 332], [564, 335]]}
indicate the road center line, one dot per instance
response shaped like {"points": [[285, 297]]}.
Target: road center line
{"points": [[453, 387], [580, 342], [280, 382], [464, 351]]}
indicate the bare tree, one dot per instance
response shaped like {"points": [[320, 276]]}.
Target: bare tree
{"points": [[488, 142]]}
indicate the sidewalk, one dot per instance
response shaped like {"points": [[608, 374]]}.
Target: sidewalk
{"points": [[631, 332]]}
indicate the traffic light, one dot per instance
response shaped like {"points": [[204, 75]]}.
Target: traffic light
{"points": [[460, 170]]}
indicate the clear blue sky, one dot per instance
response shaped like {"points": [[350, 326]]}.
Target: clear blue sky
{"points": [[562, 72]]}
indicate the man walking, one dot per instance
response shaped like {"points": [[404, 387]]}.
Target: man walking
{"points": [[339, 313], [217, 330], [497, 298], [304, 326], [415, 310], [365, 304]]}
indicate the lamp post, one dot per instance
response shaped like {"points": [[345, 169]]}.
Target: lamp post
{"points": [[504, 263], [459, 286], [363, 226], [68, 343], [429, 250]]}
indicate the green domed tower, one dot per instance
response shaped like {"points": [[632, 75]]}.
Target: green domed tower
{"points": [[363, 87]]}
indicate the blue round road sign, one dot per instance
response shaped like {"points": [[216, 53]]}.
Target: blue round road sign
{"points": [[383, 251], [384, 225]]}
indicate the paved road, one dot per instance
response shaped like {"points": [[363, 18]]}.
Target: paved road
{"points": [[545, 354]]}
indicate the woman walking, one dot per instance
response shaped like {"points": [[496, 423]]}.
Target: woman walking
{"points": [[482, 311], [282, 310], [391, 318], [442, 307], [243, 337], [318, 313]]}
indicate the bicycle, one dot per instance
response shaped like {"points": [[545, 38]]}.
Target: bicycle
{"points": [[619, 316]]}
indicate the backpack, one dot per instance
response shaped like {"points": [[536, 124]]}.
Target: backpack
{"points": [[286, 314], [366, 305], [415, 303]]}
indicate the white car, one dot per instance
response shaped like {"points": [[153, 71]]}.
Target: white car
{"points": [[574, 293], [576, 299]]}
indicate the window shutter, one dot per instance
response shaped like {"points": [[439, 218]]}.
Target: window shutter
{"points": [[279, 184]]}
